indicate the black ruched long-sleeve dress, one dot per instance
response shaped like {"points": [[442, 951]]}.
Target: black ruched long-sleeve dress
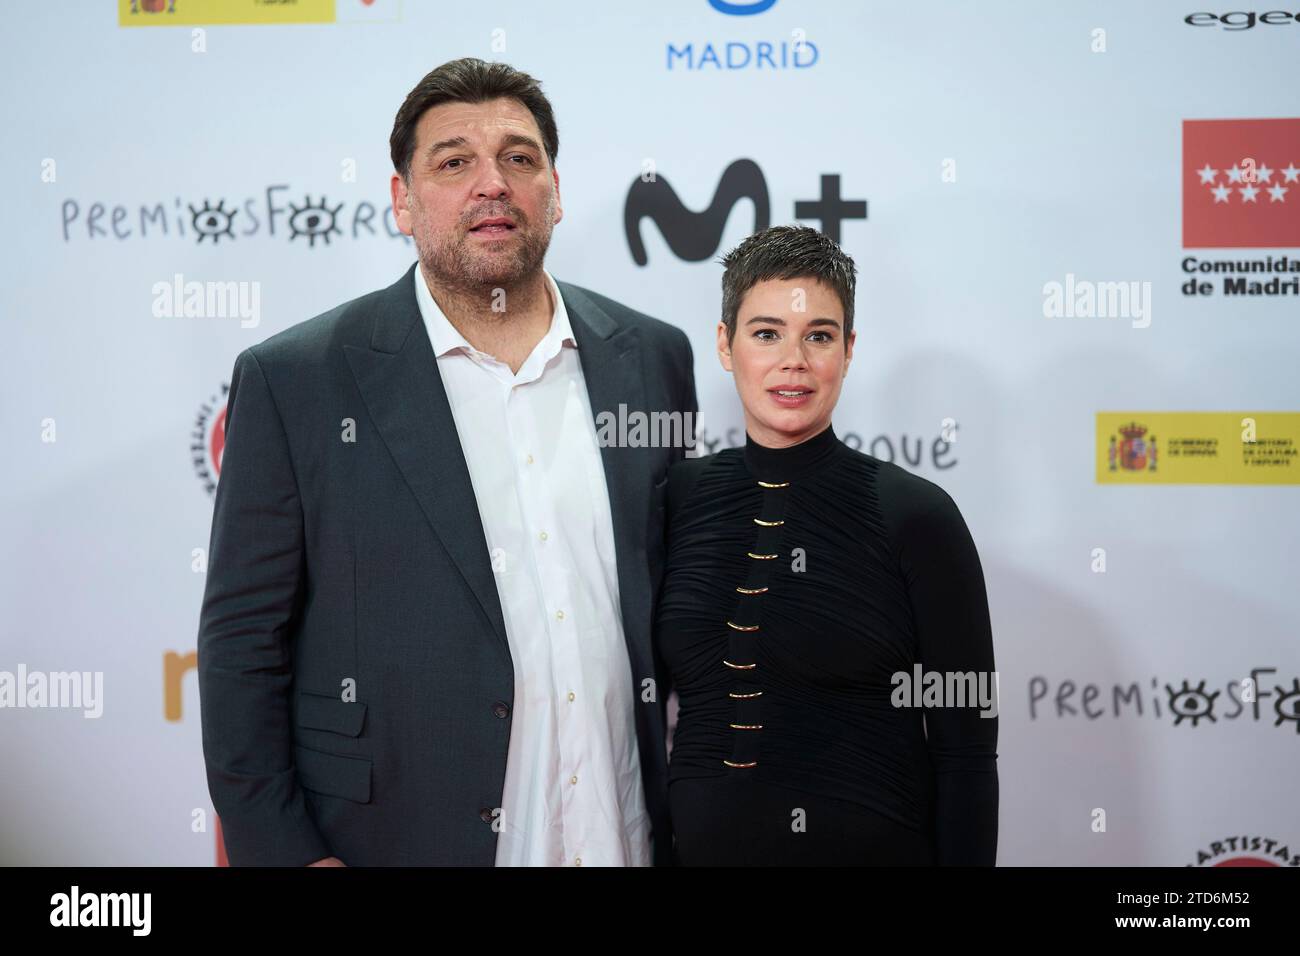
{"points": [[798, 581]]}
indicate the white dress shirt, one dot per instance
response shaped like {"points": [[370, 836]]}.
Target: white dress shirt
{"points": [[573, 793]]}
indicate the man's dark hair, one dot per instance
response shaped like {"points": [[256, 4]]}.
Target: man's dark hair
{"points": [[469, 80], [786, 252]]}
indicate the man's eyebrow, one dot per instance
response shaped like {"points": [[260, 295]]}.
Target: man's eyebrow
{"points": [[518, 139], [445, 144], [776, 320], [514, 139]]}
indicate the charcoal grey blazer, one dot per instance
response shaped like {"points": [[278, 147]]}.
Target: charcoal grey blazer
{"points": [[362, 564]]}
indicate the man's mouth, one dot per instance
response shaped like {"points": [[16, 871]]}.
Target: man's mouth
{"points": [[497, 226]]}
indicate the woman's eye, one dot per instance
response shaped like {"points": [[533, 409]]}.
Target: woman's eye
{"points": [[764, 333], [824, 336]]}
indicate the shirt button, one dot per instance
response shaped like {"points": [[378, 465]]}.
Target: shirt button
{"points": [[574, 779], [542, 535], [559, 615], [577, 861], [530, 459], [571, 696], [501, 709]]}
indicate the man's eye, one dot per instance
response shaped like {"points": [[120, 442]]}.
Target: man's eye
{"points": [[447, 164], [526, 159]]}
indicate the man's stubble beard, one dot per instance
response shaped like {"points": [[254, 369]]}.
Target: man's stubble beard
{"points": [[449, 261]]}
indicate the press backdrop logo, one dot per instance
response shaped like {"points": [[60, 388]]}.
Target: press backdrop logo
{"points": [[1246, 850], [904, 449], [205, 13], [695, 236], [1136, 450], [152, 6], [742, 9], [1242, 20], [1255, 698], [279, 212], [791, 51], [1247, 447], [208, 439], [1241, 189]]}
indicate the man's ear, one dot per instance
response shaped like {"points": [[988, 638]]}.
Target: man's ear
{"points": [[401, 211], [724, 347], [559, 207]]}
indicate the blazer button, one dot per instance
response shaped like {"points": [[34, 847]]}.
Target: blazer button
{"points": [[501, 709], [485, 815]]}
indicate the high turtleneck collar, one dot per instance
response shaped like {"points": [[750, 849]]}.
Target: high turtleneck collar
{"points": [[794, 461]]}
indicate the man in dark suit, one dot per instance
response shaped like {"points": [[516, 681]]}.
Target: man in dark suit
{"points": [[425, 637]]}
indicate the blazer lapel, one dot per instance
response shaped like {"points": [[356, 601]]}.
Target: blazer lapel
{"points": [[403, 391], [610, 355]]}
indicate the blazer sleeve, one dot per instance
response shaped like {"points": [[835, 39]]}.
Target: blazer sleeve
{"points": [[688, 404], [255, 574], [689, 401]]}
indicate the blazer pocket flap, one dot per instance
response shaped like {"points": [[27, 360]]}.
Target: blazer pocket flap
{"points": [[333, 774], [330, 713]]}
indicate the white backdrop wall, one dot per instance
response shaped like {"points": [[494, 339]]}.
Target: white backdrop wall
{"points": [[998, 147]]}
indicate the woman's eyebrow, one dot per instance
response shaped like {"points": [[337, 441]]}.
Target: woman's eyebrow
{"points": [[775, 320]]}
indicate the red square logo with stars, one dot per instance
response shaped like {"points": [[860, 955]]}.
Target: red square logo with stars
{"points": [[1241, 183]]}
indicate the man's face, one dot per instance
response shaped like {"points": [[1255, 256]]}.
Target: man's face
{"points": [[788, 358], [475, 162]]}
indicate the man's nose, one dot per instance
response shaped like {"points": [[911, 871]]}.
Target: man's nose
{"points": [[491, 183]]}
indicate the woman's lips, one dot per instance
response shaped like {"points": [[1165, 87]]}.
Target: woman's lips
{"points": [[792, 398]]}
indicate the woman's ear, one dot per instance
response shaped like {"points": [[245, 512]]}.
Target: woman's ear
{"points": [[848, 352], [724, 347]]}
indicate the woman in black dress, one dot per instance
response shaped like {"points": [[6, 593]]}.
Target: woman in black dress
{"points": [[802, 577]]}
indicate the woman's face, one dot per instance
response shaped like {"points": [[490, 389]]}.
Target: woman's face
{"points": [[788, 358]]}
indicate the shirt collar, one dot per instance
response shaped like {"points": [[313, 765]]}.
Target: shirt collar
{"points": [[445, 338]]}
